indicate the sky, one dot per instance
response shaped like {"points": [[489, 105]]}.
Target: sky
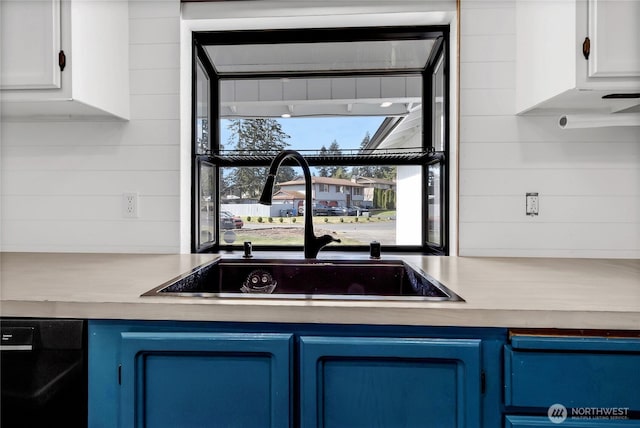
{"points": [[313, 133]]}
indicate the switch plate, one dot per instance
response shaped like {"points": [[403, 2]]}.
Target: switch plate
{"points": [[532, 204], [130, 205]]}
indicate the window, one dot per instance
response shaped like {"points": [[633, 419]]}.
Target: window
{"points": [[204, 171], [367, 108]]}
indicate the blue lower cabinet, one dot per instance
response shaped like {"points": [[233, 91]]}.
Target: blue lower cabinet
{"points": [[142, 375], [576, 372], [543, 421], [565, 381], [205, 379], [389, 382], [157, 374]]}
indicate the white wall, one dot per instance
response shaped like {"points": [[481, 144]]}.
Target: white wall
{"points": [[588, 180], [62, 182], [409, 214]]}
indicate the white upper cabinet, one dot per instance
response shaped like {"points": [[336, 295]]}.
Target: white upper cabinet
{"points": [[614, 32], [64, 59], [29, 53], [572, 53]]}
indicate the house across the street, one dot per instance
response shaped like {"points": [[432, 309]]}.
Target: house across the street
{"points": [[332, 192]]}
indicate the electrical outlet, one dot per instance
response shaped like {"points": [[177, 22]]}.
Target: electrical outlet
{"points": [[533, 206], [130, 205]]}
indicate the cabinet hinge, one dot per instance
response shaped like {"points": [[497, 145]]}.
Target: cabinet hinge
{"points": [[119, 374], [483, 383], [62, 60], [586, 47]]}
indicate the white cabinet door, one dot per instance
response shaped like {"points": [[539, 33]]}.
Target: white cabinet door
{"points": [[30, 43], [614, 31]]}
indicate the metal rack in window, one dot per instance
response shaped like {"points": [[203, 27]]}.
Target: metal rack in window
{"points": [[410, 156]]}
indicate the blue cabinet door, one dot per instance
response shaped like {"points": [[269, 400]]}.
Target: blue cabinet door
{"points": [[389, 382], [187, 379], [577, 372]]}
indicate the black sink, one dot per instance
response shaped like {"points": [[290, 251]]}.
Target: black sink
{"points": [[303, 279]]}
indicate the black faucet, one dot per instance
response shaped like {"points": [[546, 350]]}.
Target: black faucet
{"points": [[312, 243]]}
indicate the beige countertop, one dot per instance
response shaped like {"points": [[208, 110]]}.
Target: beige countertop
{"points": [[499, 292]]}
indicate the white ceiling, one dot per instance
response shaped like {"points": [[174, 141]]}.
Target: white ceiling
{"points": [[390, 95], [304, 97]]}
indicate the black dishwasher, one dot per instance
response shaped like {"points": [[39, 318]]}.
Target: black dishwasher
{"points": [[43, 372]]}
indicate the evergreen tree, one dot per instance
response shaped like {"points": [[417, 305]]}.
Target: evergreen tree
{"points": [[385, 172], [333, 150], [341, 173], [364, 170], [323, 171], [365, 141], [256, 137]]}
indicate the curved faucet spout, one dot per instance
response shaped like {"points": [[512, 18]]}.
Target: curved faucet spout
{"points": [[312, 243]]}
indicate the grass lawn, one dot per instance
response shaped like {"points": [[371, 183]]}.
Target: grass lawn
{"points": [[290, 230], [282, 236]]}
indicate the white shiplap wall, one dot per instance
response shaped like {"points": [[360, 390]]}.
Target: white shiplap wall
{"points": [[62, 182], [588, 180]]}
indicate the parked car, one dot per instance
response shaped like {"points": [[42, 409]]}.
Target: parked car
{"points": [[318, 209], [287, 212], [227, 218], [226, 222], [338, 211], [356, 210]]}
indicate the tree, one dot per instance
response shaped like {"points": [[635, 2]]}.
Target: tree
{"points": [[323, 171], [364, 170], [385, 172], [384, 198], [333, 150], [256, 137], [226, 186], [341, 173]]}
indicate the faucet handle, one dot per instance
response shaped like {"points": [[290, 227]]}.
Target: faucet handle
{"points": [[374, 250], [247, 250]]}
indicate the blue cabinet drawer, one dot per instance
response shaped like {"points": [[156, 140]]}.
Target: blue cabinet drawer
{"points": [[576, 372], [543, 421]]}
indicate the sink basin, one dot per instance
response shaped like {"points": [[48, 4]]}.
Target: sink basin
{"points": [[308, 279]]}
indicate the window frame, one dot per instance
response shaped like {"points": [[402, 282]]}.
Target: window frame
{"points": [[439, 54], [200, 59]]}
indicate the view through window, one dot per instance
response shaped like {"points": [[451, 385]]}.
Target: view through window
{"points": [[354, 203]]}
